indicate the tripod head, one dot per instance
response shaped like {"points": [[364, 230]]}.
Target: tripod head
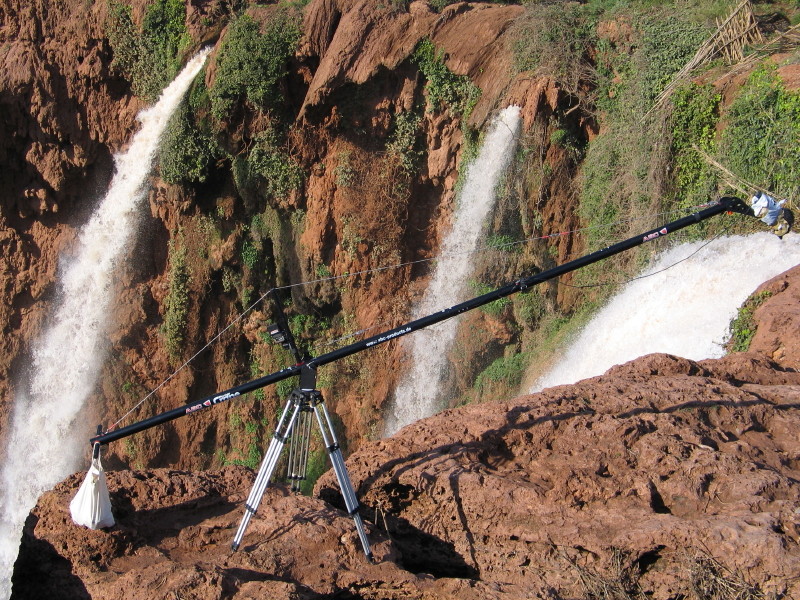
{"points": [[280, 331]]}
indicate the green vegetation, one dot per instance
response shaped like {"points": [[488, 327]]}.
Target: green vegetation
{"points": [[529, 308], [493, 308], [267, 168], [568, 139], [249, 254], [244, 433], [668, 42], [317, 465], [309, 330], [176, 304], [149, 57], [760, 142], [445, 90], [322, 271], [344, 171], [506, 371], [279, 173], [694, 119], [743, 327], [555, 40], [251, 64], [504, 243], [404, 140], [602, 172], [625, 171], [186, 152]]}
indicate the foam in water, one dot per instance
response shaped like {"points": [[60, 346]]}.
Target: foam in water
{"points": [[685, 310], [416, 396], [45, 441]]}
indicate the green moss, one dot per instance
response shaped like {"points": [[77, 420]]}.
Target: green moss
{"points": [[743, 327]]}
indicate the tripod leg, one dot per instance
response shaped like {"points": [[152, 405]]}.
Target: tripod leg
{"points": [[345, 485], [279, 439]]}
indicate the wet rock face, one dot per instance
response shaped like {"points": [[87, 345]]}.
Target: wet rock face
{"points": [[659, 477]]}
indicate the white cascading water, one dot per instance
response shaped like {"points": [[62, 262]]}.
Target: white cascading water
{"points": [[685, 310], [416, 396], [45, 441]]}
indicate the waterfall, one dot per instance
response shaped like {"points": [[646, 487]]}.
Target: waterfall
{"points": [[417, 394], [45, 440], [685, 310]]}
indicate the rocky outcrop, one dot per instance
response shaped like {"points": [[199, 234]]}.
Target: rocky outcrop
{"points": [[355, 40], [655, 464], [778, 316], [58, 95], [657, 478]]}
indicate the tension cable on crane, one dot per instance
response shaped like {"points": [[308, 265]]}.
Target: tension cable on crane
{"points": [[348, 275]]}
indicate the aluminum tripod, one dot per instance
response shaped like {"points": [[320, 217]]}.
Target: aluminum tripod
{"points": [[294, 427]]}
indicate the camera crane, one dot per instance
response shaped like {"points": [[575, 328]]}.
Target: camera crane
{"points": [[294, 425]]}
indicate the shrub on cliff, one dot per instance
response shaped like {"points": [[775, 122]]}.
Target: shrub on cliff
{"points": [[267, 167], [186, 150], [251, 64], [176, 303], [743, 326], [148, 57], [444, 88]]}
